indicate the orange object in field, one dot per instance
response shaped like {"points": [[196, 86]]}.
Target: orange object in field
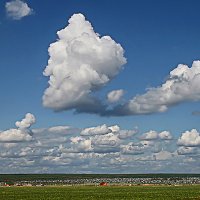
{"points": [[103, 184]]}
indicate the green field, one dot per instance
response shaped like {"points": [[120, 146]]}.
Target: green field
{"points": [[99, 193]]}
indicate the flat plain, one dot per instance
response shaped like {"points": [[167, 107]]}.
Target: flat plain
{"points": [[101, 192]]}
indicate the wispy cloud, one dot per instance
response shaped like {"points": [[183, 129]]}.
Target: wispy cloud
{"points": [[17, 9]]}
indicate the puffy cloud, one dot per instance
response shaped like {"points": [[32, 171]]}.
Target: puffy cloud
{"points": [[165, 135], [114, 128], [106, 143], [55, 149], [22, 133], [132, 148], [109, 139], [81, 62], [15, 135], [104, 130], [151, 135], [99, 130], [154, 135], [189, 138], [115, 95], [26, 122], [79, 144], [183, 84], [17, 9]]}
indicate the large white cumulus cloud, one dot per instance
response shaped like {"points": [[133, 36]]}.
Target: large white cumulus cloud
{"points": [[182, 85], [80, 63]]}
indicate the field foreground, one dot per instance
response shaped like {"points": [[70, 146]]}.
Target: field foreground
{"points": [[104, 192]]}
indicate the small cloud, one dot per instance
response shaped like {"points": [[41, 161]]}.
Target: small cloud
{"points": [[17, 9], [99, 130], [115, 95], [151, 135], [124, 134], [132, 148], [189, 138], [165, 135], [26, 122], [21, 133], [154, 135], [15, 135]]}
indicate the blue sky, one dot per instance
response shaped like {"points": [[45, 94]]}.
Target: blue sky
{"points": [[155, 35]]}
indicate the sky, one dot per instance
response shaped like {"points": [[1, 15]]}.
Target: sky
{"points": [[99, 86]]}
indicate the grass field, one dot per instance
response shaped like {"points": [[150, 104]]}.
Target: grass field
{"points": [[99, 193]]}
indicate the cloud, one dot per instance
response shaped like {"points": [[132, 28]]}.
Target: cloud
{"points": [[114, 128], [62, 149], [22, 133], [104, 130], [99, 130], [184, 150], [109, 139], [132, 148], [151, 135], [115, 95], [81, 62], [154, 135], [15, 135], [183, 84], [165, 135], [26, 122], [189, 138], [124, 134], [17, 9], [78, 145], [163, 155]]}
